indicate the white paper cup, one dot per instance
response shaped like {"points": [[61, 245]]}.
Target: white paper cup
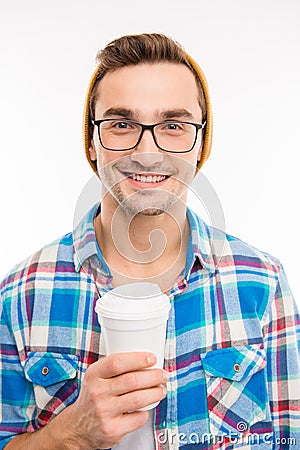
{"points": [[133, 317]]}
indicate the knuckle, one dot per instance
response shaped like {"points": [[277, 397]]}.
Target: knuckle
{"points": [[108, 431], [132, 380], [114, 364], [101, 411], [137, 401], [96, 393]]}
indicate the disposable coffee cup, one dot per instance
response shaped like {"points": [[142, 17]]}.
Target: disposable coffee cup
{"points": [[133, 317]]}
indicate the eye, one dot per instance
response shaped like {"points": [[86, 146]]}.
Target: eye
{"points": [[173, 126], [121, 125]]}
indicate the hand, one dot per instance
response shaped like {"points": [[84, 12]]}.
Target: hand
{"points": [[111, 387]]}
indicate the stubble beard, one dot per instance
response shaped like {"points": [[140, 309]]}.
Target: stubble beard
{"points": [[144, 202], [147, 202]]}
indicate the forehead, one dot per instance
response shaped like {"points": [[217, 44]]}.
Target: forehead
{"points": [[149, 87]]}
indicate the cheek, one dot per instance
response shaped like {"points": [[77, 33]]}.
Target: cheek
{"points": [[111, 158], [105, 157], [187, 163]]}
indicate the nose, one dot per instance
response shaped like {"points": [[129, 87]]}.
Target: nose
{"points": [[146, 152]]}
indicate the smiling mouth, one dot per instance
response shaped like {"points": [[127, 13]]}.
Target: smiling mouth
{"points": [[146, 178]]}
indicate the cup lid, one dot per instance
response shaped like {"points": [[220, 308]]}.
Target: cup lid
{"points": [[133, 301]]}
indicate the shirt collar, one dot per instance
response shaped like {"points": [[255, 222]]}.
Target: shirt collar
{"points": [[200, 242], [84, 238]]}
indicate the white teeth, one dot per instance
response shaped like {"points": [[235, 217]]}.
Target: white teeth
{"points": [[148, 179]]}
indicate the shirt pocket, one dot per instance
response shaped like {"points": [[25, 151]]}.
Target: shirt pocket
{"points": [[54, 380], [236, 386]]}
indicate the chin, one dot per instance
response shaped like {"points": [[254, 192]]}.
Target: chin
{"points": [[146, 202], [149, 207], [133, 209]]}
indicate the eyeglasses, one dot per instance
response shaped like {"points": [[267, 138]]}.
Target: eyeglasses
{"points": [[169, 136]]}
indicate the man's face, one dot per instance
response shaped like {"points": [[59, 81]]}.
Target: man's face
{"points": [[147, 93]]}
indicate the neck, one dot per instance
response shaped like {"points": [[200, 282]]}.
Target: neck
{"points": [[147, 242]]}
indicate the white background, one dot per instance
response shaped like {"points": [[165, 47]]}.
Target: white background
{"points": [[249, 51]]}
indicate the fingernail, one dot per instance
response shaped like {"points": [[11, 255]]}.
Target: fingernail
{"points": [[151, 359], [165, 375], [164, 390]]}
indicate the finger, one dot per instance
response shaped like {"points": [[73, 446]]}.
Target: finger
{"points": [[132, 421], [139, 399], [119, 363], [117, 428], [133, 381]]}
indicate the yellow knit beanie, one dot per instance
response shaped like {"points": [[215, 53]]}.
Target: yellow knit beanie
{"points": [[208, 129]]}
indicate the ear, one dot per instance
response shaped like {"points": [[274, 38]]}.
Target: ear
{"points": [[200, 152], [92, 150]]}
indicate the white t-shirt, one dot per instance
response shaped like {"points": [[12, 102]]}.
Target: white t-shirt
{"points": [[141, 438]]}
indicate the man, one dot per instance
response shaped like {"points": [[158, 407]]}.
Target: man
{"points": [[231, 373]]}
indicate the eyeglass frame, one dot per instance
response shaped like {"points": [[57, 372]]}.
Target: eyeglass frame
{"points": [[198, 126]]}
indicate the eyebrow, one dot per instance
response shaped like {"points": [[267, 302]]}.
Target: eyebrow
{"points": [[177, 113], [121, 112]]}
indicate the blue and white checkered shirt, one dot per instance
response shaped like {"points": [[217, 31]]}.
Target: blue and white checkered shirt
{"points": [[231, 344]]}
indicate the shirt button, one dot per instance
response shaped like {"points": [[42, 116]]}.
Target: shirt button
{"points": [[45, 370], [237, 368]]}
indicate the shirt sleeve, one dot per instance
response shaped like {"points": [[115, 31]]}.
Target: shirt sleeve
{"points": [[282, 333], [17, 398]]}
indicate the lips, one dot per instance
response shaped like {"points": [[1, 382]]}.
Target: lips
{"points": [[146, 179]]}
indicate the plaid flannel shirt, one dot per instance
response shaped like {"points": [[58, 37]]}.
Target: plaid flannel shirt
{"points": [[231, 342]]}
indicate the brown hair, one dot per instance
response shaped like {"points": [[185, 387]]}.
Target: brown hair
{"points": [[138, 49]]}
